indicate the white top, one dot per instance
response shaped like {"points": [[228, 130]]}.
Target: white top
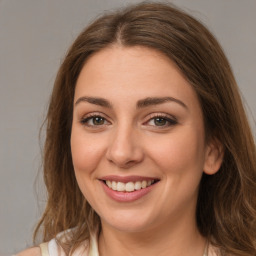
{"points": [[53, 249]]}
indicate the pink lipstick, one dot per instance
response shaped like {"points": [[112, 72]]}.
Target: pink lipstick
{"points": [[127, 188]]}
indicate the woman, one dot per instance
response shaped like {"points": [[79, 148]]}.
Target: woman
{"points": [[148, 148]]}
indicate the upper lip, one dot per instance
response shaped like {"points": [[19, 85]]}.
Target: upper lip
{"points": [[125, 179]]}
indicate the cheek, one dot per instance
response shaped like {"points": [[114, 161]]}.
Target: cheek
{"points": [[180, 152], [86, 151]]}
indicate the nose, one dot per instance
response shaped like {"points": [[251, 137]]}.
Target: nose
{"points": [[124, 149]]}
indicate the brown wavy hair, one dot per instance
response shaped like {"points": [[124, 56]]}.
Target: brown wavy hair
{"points": [[226, 208]]}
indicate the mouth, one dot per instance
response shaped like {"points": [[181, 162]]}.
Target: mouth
{"points": [[130, 186], [127, 188]]}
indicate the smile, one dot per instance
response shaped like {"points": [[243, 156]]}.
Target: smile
{"points": [[129, 186]]}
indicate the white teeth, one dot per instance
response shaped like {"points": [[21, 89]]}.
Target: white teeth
{"points": [[137, 185], [129, 186], [150, 182], [109, 183], [113, 185], [144, 184], [120, 186]]}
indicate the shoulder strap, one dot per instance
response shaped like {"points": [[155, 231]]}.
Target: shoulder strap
{"points": [[206, 249], [44, 249]]}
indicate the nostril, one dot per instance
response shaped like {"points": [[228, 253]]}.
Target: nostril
{"points": [[123, 164], [124, 151]]}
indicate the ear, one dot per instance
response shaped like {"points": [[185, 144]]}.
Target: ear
{"points": [[213, 157]]}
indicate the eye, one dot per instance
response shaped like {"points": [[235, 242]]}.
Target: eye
{"points": [[94, 120], [162, 121], [159, 121]]}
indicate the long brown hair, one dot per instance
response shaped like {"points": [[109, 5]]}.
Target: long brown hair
{"points": [[226, 208]]}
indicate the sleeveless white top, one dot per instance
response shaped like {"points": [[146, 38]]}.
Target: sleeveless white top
{"points": [[53, 249]]}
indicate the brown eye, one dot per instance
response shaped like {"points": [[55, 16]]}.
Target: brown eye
{"points": [[159, 121], [94, 121], [97, 120]]}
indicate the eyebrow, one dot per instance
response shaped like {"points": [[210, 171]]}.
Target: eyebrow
{"points": [[156, 101], [96, 101], [150, 101]]}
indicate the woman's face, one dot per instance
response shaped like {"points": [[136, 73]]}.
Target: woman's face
{"points": [[137, 121]]}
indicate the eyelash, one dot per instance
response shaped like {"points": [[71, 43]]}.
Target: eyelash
{"points": [[90, 117], [164, 117], [170, 120]]}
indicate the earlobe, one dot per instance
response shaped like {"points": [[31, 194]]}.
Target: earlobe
{"points": [[214, 157]]}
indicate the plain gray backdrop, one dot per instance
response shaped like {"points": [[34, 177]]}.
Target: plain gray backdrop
{"points": [[34, 36]]}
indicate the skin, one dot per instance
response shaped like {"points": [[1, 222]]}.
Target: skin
{"points": [[129, 140], [124, 139], [35, 251]]}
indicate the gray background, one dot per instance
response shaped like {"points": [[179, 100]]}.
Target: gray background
{"points": [[34, 36]]}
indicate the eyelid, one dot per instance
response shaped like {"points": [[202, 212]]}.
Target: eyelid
{"points": [[88, 116], [169, 118], [162, 114]]}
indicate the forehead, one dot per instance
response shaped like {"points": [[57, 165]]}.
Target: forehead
{"points": [[129, 61], [138, 72]]}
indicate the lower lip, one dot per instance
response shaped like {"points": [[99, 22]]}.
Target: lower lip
{"points": [[127, 196]]}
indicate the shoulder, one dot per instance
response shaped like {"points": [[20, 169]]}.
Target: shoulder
{"points": [[35, 251]]}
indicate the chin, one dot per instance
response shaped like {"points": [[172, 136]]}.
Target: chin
{"points": [[126, 222]]}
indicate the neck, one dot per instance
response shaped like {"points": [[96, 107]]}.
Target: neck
{"points": [[173, 239]]}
